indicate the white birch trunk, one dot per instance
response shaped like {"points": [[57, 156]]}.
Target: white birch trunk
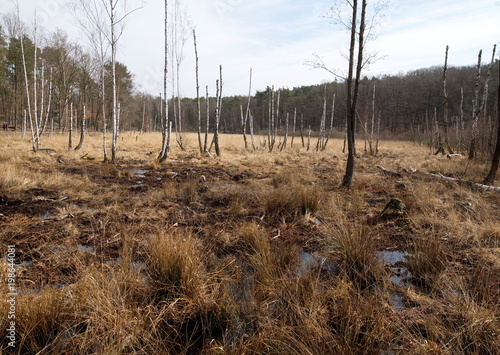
{"points": [[475, 110]]}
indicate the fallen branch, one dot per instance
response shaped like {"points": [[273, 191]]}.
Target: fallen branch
{"points": [[469, 184], [411, 173]]}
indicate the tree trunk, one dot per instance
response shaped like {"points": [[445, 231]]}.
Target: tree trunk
{"points": [[198, 92], [165, 144], [352, 97], [70, 139], [490, 178], [294, 125], [113, 78], [331, 123], [218, 113], [82, 131], [244, 120], [207, 124], [475, 110], [445, 104], [251, 131]]}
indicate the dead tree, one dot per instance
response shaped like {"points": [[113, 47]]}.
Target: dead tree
{"points": [[330, 132], [207, 123], [245, 118], [294, 125], [353, 86], [218, 107], [198, 101], [252, 138], [489, 125], [490, 178], [70, 138], [285, 139], [445, 109], [322, 126], [82, 131], [475, 110], [166, 132], [302, 129]]}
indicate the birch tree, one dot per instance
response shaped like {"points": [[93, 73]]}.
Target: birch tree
{"points": [[166, 131], [475, 109], [198, 101], [180, 32]]}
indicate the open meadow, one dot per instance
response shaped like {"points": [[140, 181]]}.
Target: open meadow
{"points": [[248, 253]]}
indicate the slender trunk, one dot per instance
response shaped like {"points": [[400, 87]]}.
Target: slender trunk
{"points": [[166, 131], [490, 178], [294, 125], [309, 138], [207, 125], [483, 109], [49, 104], [445, 105], [244, 121], [70, 139], [302, 129], [331, 123], [143, 115], [285, 139], [28, 99], [82, 130], [35, 97], [475, 110], [372, 151], [271, 121], [104, 123], [179, 109], [113, 77], [378, 132], [198, 101], [461, 122], [352, 97], [24, 124], [251, 131], [218, 113]]}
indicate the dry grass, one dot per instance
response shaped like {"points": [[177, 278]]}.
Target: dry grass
{"points": [[251, 252]]}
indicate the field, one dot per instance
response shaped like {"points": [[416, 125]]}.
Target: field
{"points": [[249, 253]]}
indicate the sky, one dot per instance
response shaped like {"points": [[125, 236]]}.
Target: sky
{"points": [[275, 38]]}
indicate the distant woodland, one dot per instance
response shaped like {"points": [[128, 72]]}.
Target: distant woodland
{"points": [[408, 105]]}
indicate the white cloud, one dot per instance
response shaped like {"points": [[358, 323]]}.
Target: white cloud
{"points": [[275, 37]]}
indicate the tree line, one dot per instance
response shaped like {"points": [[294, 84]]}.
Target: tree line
{"points": [[409, 105]]}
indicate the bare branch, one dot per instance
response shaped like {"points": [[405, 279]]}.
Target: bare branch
{"points": [[318, 63]]}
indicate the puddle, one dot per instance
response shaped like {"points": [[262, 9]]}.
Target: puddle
{"points": [[311, 261], [25, 264], [399, 275], [84, 248], [139, 173], [391, 257], [398, 302], [46, 216]]}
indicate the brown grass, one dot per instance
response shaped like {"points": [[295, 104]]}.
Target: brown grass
{"points": [[251, 252]]}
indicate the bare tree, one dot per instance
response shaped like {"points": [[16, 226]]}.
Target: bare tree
{"points": [[82, 130], [490, 178], [218, 107], [475, 109], [198, 101], [244, 119], [441, 147], [353, 85], [180, 32], [165, 145]]}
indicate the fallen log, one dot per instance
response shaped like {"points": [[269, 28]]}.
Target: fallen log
{"points": [[410, 172]]}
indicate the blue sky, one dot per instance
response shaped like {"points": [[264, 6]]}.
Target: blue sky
{"points": [[276, 37]]}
